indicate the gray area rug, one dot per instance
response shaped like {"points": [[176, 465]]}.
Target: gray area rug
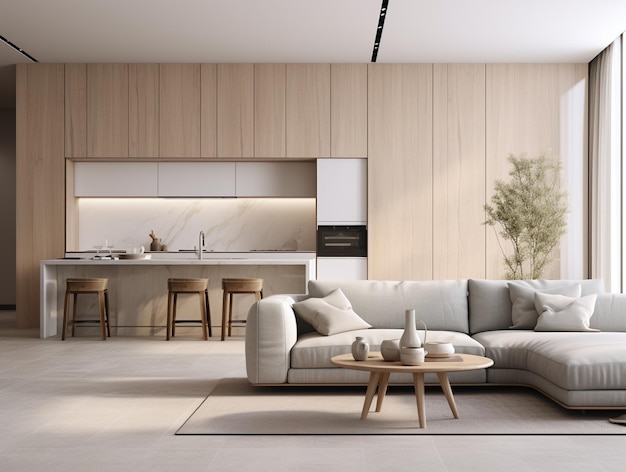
{"points": [[234, 407]]}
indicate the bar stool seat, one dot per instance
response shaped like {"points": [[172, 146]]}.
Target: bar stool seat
{"points": [[233, 286], [98, 286], [189, 286]]}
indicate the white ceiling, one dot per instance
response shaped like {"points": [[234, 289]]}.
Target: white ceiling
{"points": [[206, 31]]}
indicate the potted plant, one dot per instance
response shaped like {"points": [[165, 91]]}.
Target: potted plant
{"points": [[530, 210]]}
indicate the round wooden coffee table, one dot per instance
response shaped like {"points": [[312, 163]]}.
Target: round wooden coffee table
{"points": [[380, 370]]}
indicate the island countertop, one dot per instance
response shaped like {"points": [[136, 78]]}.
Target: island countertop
{"points": [[138, 286]]}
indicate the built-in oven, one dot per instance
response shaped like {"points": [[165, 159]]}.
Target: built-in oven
{"points": [[342, 241]]}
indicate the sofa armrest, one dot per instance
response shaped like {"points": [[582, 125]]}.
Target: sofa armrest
{"points": [[271, 332]]}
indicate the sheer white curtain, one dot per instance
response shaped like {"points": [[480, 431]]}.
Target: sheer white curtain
{"points": [[605, 180]]}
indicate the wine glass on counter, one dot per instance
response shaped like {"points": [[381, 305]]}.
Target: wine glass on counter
{"points": [[109, 246], [97, 247]]}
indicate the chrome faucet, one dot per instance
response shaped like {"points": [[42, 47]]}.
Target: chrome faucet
{"points": [[200, 245]]}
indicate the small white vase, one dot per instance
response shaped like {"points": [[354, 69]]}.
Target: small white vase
{"points": [[360, 349], [410, 336]]}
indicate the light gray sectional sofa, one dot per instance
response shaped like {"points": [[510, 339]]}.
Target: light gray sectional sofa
{"points": [[579, 362]]}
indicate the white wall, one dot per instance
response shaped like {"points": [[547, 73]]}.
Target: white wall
{"points": [[7, 207]]}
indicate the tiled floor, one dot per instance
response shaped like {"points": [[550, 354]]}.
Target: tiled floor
{"points": [[87, 405]]}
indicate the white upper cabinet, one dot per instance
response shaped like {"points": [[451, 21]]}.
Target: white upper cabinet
{"points": [[115, 179], [196, 179], [276, 179], [342, 191]]}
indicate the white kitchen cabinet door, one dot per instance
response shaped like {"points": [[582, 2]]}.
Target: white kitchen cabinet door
{"points": [[276, 179], [196, 179], [341, 191], [342, 268], [115, 179]]}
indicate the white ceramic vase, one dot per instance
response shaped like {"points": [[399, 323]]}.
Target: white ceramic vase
{"points": [[410, 336], [360, 349]]}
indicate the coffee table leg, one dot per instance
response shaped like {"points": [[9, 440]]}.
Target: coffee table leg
{"points": [[418, 383], [382, 390], [369, 394], [447, 391]]}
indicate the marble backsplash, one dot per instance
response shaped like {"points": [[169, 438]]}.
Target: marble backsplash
{"points": [[230, 225]]}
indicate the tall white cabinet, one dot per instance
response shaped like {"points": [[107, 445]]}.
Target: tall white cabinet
{"points": [[342, 201]]}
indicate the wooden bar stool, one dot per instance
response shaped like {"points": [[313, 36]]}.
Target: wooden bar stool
{"points": [[75, 286], [234, 286], [198, 286]]}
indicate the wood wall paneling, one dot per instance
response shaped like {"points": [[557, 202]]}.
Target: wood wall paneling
{"points": [[179, 110], [458, 171], [75, 110], [40, 180], [269, 110], [235, 110], [308, 110], [400, 186], [528, 113], [208, 110], [348, 108], [107, 110], [143, 110]]}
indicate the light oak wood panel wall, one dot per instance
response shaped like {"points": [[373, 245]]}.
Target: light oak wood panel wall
{"points": [[536, 109], [107, 110], [235, 110], [400, 185], [40, 180], [458, 171], [179, 114], [208, 110], [143, 111], [308, 110], [348, 107], [75, 110], [269, 110]]}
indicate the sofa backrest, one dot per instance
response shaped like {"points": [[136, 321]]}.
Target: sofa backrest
{"points": [[441, 304], [490, 302], [610, 312]]}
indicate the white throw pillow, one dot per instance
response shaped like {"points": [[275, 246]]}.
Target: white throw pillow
{"points": [[523, 311], [561, 313], [330, 315]]}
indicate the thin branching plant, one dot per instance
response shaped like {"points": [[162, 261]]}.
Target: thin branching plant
{"points": [[530, 210]]}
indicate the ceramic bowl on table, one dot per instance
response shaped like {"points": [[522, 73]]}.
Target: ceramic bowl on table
{"points": [[440, 349]]}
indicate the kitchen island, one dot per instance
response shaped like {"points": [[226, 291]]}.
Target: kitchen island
{"points": [[138, 287]]}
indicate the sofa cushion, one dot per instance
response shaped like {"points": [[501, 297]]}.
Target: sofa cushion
{"points": [[441, 304], [570, 360], [490, 304], [314, 351], [561, 313], [331, 314], [523, 312]]}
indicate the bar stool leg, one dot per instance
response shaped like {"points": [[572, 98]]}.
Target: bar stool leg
{"points": [[208, 312], [174, 314], [170, 300], [225, 301], [103, 335], [66, 314], [203, 315], [106, 312], [230, 315], [74, 314]]}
